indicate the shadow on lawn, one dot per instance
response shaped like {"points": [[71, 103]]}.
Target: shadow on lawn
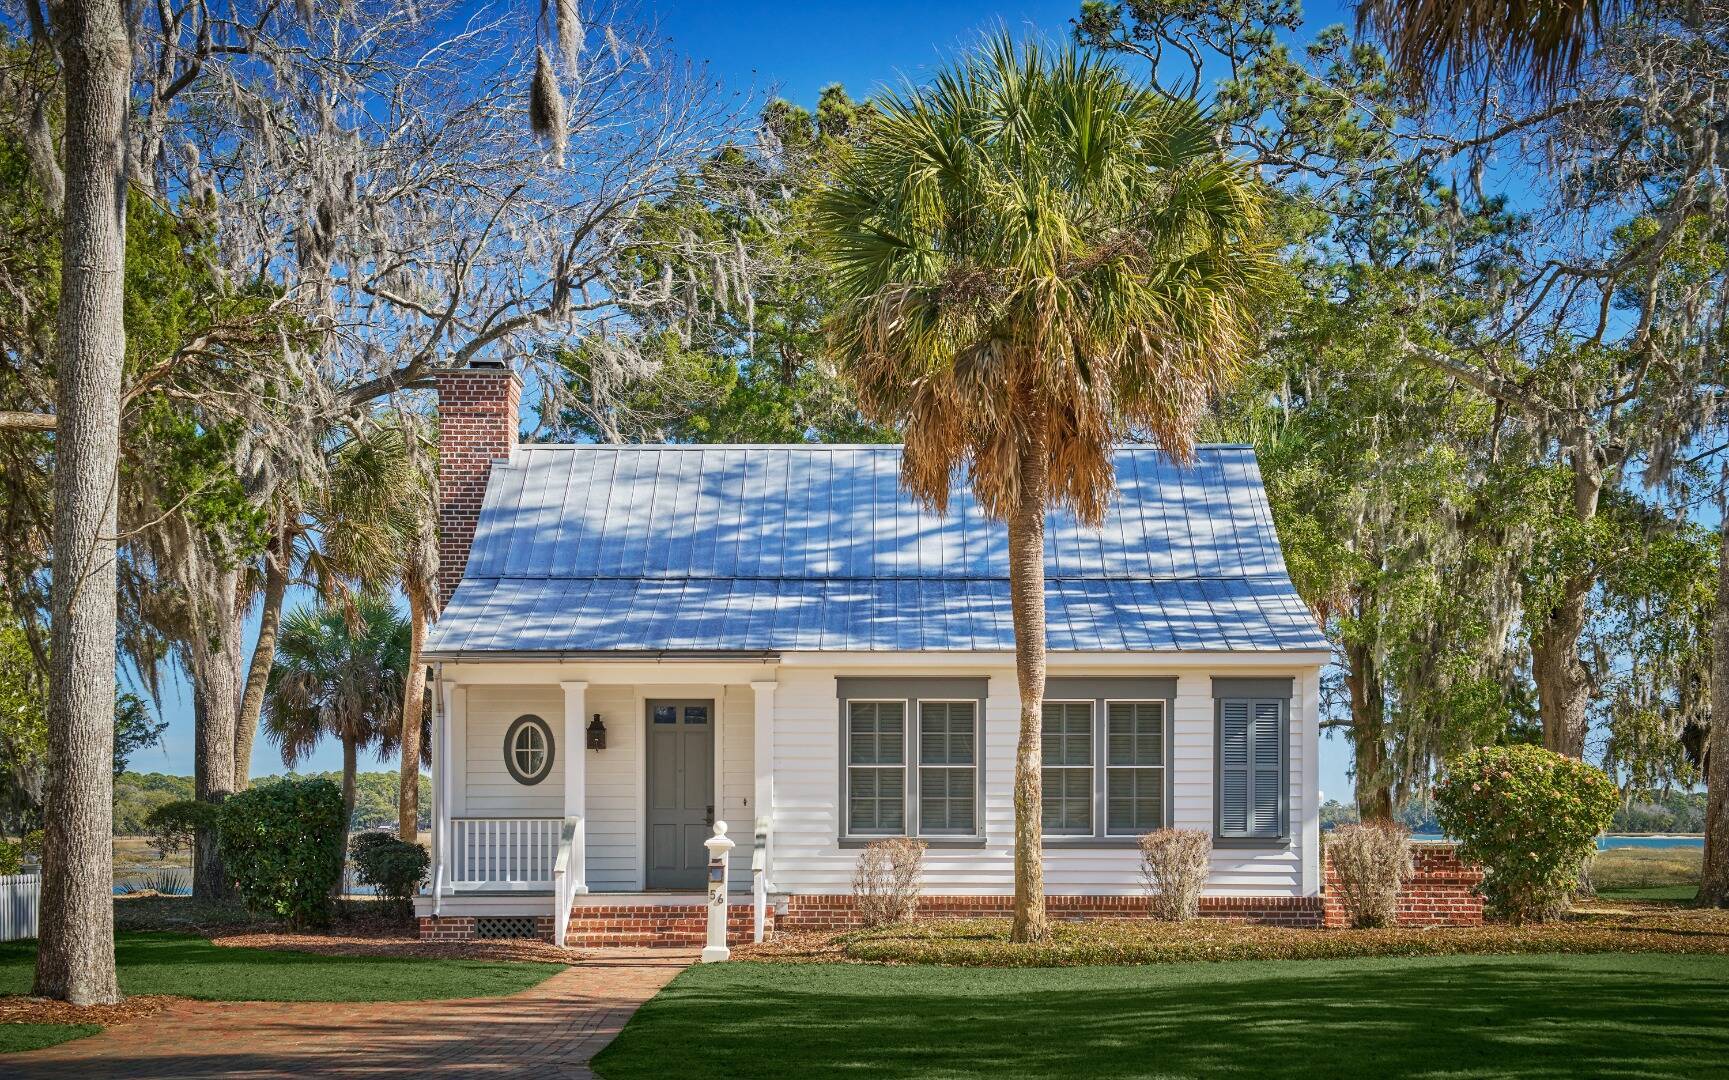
{"points": [[1529, 1017]]}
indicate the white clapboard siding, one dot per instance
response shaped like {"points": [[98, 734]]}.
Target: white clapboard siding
{"points": [[807, 799], [20, 906], [490, 789], [614, 846], [806, 760]]}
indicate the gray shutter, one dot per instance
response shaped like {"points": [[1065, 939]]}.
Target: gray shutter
{"points": [[1233, 767], [1268, 768]]}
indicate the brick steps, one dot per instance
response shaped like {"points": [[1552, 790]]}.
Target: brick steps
{"points": [[654, 925]]}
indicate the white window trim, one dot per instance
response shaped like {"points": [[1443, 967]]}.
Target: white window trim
{"points": [[917, 791], [1103, 826], [846, 756], [1094, 746]]}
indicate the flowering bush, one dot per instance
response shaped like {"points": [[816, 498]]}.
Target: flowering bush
{"points": [[886, 884], [1174, 864], [1372, 860], [1530, 818]]}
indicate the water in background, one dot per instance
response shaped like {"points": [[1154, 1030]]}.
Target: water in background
{"points": [[1604, 843]]}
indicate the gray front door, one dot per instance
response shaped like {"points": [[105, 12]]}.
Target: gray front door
{"points": [[680, 792]]}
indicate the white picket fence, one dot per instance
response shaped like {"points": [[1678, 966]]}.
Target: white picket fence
{"points": [[20, 902]]}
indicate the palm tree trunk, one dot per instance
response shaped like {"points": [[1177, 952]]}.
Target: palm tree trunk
{"points": [[350, 752], [1027, 603], [75, 951], [1714, 883], [263, 659], [1374, 787], [413, 698]]}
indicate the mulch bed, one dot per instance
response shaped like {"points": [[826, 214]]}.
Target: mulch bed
{"points": [[373, 942], [1604, 926], [29, 1010]]}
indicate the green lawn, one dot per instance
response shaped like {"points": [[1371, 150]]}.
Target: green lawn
{"points": [[1683, 893], [15, 1038], [1630, 1015], [192, 967]]}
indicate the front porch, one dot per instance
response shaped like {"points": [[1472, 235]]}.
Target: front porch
{"points": [[538, 815]]}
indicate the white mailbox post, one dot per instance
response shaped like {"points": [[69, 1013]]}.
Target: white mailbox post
{"points": [[719, 848]]}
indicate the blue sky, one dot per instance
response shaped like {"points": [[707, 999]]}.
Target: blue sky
{"points": [[764, 47]]}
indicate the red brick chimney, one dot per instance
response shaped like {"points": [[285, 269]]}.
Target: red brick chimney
{"points": [[477, 425]]}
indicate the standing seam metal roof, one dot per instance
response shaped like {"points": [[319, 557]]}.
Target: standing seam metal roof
{"points": [[793, 548]]}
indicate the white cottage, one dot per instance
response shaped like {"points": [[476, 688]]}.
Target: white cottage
{"points": [[637, 641]]}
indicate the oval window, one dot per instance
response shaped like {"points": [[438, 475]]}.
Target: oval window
{"points": [[528, 749]]}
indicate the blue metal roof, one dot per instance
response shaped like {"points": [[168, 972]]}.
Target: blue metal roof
{"points": [[723, 549]]}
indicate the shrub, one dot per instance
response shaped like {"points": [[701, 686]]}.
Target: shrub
{"points": [[1174, 864], [33, 841], [395, 868], [282, 848], [886, 884], [173, 825], [1372, 861], [1530, 818], [11, 858]]}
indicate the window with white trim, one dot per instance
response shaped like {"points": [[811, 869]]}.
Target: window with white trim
{"points": [[876, 768], [1134, 767], [1067, 777], [948, 768]]}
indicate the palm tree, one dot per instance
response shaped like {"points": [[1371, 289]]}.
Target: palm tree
{"points": [[1538, 42], [338, 673], [366, 523], [1037, 257]]}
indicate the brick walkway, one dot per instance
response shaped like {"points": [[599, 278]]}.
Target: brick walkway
{"points": [[551, 1030]]}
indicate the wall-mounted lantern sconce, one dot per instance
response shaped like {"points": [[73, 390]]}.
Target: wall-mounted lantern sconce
{"points": [[596, 734]]}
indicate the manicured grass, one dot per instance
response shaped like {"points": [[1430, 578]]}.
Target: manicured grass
{"points": [[192, 967], [16, 1038], [1635, 1015]]}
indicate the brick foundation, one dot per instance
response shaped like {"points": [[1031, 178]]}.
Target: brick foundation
{"points": [[836, 911], [1442, 891]]}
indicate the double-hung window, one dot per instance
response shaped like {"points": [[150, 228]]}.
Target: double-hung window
{"points": [[1252, 783], [948, 767], [1134, 767], [876, 767], [912, 757], [1068, 768], [1106, 749]]}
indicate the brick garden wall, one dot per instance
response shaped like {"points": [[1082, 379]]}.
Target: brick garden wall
{"points": [[1442, 892], [477, 425]]}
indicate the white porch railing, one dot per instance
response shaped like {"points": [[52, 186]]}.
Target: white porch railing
{"points": [[563, 883], [759, 881], [503, 853]]}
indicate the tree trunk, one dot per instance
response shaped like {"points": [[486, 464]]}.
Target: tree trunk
{"points": [[213, 654], [1027, 602], [1368, 732], [350, 752], [263, 659], [1714, 883], [413, 700], [1563, 684], [75, 951]]}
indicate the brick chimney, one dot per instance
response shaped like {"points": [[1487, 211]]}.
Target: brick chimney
{"points": [[477, 425]]}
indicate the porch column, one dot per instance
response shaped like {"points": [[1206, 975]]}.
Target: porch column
{"points": [[576, 780], [762, 753]]}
